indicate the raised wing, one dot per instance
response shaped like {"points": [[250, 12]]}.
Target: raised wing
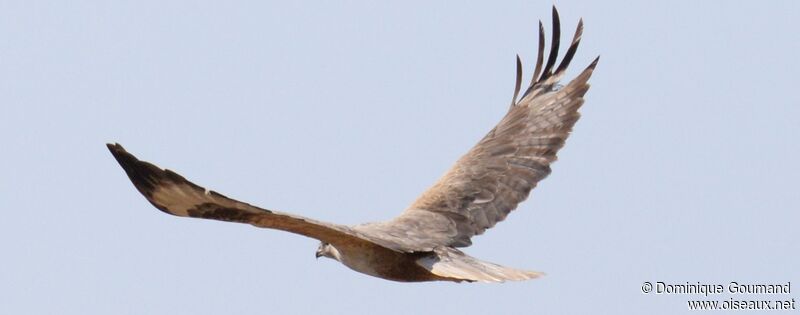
{"points": [[499, 172], [173, 194]]}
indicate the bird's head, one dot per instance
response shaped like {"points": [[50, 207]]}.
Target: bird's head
{"points": [[327, 250]]}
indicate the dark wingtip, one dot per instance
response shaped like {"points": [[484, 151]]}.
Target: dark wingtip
{"points": [[123, 157], [143, 175], [556, 17], [539, 56], [554, 45], [594, 63], [573, 47], [518, 83], [114, 147], [146, 177]]}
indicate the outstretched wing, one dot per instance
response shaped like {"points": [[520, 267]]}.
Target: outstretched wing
{"points": [[499, 172], [173, 194]]}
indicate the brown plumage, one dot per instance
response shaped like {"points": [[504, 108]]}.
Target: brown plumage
{"points": [[421, 243]]}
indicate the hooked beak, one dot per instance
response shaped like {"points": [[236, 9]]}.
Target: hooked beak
{"points": [[318, 254]]}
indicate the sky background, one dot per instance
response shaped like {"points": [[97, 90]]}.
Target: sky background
{"points": [[682, 168]]}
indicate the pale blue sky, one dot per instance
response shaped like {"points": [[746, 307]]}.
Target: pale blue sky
{"points": [[682, 168]]}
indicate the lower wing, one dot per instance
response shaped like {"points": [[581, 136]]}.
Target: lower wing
{"points": [[174, 194]]}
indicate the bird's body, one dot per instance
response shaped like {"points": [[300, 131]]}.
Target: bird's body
{"points": [[382, 263], [422, 243]]}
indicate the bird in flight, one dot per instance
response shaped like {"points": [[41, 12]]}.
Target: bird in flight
{"points": [[422, 243]]}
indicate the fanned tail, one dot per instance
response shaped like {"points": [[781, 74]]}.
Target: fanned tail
{"points": [[451, 263]]}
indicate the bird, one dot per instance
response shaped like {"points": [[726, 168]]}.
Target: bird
{"points": [[422, 243]]}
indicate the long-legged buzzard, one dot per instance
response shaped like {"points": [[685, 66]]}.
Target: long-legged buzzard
{"points": [[421, 244]]}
